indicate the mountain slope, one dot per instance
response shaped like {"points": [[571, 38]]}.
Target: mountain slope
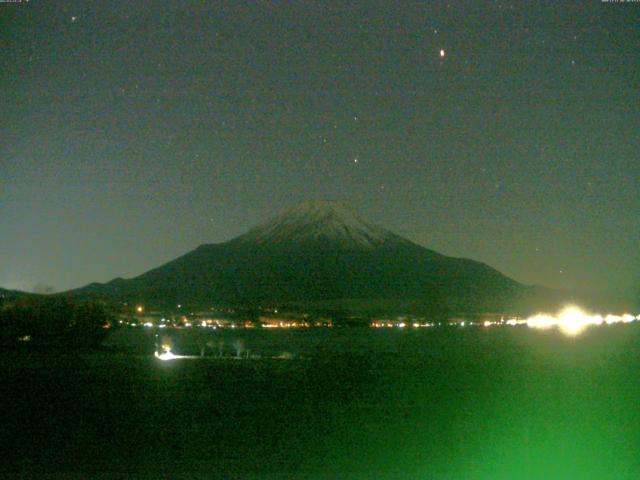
{"points": [[11, 295], [317, 252]]}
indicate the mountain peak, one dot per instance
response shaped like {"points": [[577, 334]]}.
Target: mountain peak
{"points": [[319, 220]]}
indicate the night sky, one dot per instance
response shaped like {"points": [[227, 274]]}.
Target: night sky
{"points": [[132, 132]]}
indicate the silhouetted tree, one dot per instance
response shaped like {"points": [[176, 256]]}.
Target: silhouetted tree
{"points": [[238, 345]]}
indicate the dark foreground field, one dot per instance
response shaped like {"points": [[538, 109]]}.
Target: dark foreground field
{"points": [[453, 404]]}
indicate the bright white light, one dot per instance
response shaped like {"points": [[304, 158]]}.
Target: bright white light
{"points": [[442, 53], [572, 320], [515, 321], [541, 321], [148, 324], [611, 319], [168, 355]]}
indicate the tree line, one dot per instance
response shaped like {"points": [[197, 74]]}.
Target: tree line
{"points": [[54, 321]]}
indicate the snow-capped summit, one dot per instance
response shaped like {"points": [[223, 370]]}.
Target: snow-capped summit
{"points": [[319, 220]]}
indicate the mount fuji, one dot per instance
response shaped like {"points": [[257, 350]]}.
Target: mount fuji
{"points": [[318, 254]]}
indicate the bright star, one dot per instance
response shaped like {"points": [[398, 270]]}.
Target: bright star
{"points": [[442, 53]]}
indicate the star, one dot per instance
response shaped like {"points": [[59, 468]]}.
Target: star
{"points": [[355, 160], [73, 19], [442, 53]]}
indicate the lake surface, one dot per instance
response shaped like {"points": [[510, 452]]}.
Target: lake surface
{"points": [[450, 403]]}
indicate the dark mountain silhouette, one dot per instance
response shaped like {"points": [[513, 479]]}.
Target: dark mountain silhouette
{"points": [[319, 254], [11, 295]]}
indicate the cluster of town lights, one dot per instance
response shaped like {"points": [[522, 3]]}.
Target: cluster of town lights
{"points": [[571, 321]]}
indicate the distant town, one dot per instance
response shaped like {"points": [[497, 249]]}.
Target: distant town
{"points": [[226, 317], [570, 320]]}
